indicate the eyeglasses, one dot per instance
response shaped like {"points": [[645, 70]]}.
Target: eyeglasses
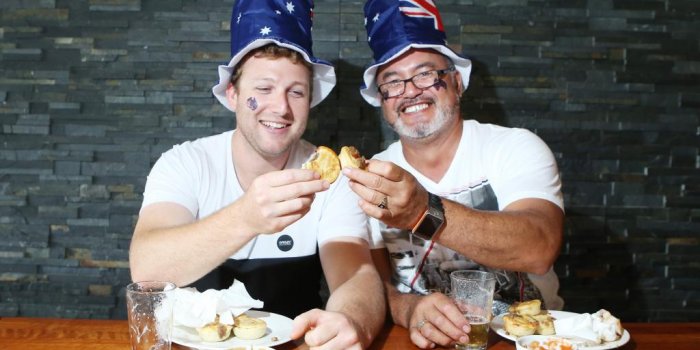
{"points": [[422, 80]]}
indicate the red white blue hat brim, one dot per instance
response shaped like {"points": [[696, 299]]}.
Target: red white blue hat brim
{"points": [[324, 78]]}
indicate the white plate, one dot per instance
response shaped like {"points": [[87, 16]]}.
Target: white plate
{"points": [[278, 327], [497, 326]]}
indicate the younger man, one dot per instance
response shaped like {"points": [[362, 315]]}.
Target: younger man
{"points": [[238, 205]]}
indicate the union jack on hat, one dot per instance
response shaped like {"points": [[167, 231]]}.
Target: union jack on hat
{"points": [[286, 23], [393, 27]]}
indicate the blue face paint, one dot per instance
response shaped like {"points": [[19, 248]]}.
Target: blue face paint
{"points": [[440, 84], [252, 103]]}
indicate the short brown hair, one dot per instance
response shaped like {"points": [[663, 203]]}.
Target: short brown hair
{"points": [[274, 52]]}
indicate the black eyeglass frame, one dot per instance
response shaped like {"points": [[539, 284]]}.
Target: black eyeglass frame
{"points": [[440, 72]]}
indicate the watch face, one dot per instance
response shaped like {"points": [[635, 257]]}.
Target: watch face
{"points": [[432, 220], [429, 226]]}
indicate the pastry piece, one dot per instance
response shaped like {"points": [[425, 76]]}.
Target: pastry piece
{"points": [[543, 315], [530, 307], [350, 157], [215, 331], [246, 327], [325, 162], [529, 311], [545, 323], [519, 325]]}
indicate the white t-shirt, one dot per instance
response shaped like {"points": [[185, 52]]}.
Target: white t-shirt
{"points": [[200, 176], [493, 167]]}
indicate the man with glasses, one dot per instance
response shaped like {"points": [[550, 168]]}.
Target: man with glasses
{"points": [[422, 80], [454, 193]]}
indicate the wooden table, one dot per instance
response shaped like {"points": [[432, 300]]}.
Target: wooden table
{"points": [[64, 334]]}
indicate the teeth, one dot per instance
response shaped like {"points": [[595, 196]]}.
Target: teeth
{"points": [[273, 125], [416, 108]]}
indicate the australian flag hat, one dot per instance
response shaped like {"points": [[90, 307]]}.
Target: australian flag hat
{"points": [[286, 23], [395, 26]]}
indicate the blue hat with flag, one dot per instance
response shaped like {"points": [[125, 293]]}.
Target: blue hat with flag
{"points": [[395, 26], [286, 23]]}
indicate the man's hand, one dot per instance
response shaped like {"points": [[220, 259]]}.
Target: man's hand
{"points": [[403, 198], [435, 319], [325, 330], [277, 199]]}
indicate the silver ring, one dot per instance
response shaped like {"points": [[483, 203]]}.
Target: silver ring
{"points": [[384, 203], [420, 324]]}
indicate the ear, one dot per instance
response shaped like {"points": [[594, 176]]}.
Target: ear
{"points": [[459, 83], [378, 95], [232, 96]]}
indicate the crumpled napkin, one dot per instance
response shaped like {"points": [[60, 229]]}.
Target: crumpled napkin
{"points": [[594, 329], [195, 309]]}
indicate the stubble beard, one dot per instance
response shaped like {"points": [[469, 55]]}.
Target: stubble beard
{"points": [[264, 152]]}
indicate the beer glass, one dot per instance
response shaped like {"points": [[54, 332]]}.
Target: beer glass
{"points": [[150, 315], [472, 291]]}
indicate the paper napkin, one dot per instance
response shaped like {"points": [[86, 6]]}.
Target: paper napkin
{"points": [[580, 326], [195, 309], [598, 327]]}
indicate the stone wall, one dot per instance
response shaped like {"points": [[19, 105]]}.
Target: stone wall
{"points": [[92, 91]]}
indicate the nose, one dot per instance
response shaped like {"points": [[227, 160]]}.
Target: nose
{"points": [[279, 104], [410, 90]]}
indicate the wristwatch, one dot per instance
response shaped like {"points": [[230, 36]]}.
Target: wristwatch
{"points": [[432, 220]]}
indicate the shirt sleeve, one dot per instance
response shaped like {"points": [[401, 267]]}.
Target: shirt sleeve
{"points": [[172, 180], [376, 237], [342, 215], [522, 166]]}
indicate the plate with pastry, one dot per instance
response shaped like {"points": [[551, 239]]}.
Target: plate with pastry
{"points": [[250, 330], [597, 331]]}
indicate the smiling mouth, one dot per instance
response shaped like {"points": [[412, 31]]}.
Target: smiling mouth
{"points": [[415, 108], [273, 125]]}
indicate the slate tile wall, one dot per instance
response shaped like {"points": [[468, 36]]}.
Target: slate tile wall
{"points": [[92, 91]]}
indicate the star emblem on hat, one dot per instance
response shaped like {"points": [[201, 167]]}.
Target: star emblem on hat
{"points": [[284, 23]]}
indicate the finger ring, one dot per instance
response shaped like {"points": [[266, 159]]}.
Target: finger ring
{"points": [[420, 324], [384, 203]]}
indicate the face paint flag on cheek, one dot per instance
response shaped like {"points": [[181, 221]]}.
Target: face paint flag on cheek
{"points": [[440, 84], [252, 103]]}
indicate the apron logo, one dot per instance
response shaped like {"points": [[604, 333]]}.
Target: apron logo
{"points": [[285, 243]]}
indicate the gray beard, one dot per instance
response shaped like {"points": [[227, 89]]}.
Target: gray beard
{"points": [[443, 117]]}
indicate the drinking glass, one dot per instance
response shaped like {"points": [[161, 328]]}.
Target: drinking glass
{"points": [[472, 291], [150, 314]]}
